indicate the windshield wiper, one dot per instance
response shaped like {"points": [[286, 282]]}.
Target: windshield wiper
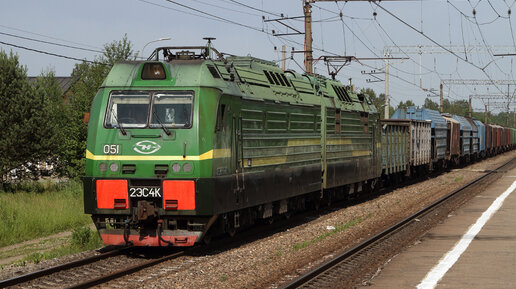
{"points": [[118, 123], [160, 123]]}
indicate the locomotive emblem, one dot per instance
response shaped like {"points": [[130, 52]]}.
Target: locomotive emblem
{"points": [[146, 147]]}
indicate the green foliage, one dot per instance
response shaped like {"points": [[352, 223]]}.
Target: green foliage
{"points": [[430, 104], [28, 215], [84, 240], [403, 105], [30, 118], [35, 257], [118, 51], [37, 126], [379, 102], [457, 107], [81, 236]]}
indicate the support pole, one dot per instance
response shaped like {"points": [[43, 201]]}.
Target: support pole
{"points": [[469, 114], [420, 75], [485, 114], [307, 9], [283, 59], [386, 115], [441, 95], [508, 103]]}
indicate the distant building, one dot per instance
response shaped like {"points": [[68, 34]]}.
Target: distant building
{"points": [[65, 82]]}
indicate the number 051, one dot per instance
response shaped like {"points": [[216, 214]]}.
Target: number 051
{"points": [[111, 149]]}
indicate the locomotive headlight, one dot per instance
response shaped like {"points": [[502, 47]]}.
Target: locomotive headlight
{"points": [[176, 168], [113, 167], [103, 167], [187, 167]]}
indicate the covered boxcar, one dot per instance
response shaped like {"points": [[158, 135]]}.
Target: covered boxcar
{"points": [[475, 145], [465, 136], [513, 137], [406, 145], [453, 138], [481, 138], [438, 126], [497, 138], [490, 139], [507, 138]]}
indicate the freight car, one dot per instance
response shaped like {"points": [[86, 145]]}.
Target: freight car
{"points": [[439, 131]]}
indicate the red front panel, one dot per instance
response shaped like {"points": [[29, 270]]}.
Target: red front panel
{"points": [[183, 192], [110, 190]]}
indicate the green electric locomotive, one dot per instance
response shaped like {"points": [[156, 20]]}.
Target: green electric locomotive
{"points": [[192, 143]]}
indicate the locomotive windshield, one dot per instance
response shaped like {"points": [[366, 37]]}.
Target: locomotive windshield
{"points": [[171, 110], [130, 109]]}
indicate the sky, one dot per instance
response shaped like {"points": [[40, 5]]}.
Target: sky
{"points": [[412, 32]]}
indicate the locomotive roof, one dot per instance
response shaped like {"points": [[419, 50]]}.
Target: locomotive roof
{"points": [[248, 76]]}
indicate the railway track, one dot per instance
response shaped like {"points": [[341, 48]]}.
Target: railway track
{"points": [[348, 268], [88, 272], [93, 271]]}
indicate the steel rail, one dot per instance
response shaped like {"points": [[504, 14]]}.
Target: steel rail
{"points": [[47, 271], [124, 271], [303, 279]]}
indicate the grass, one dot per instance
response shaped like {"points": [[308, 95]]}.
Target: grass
{"points": [[339, 228], [33, 210], [458, 179], [82, 239]]}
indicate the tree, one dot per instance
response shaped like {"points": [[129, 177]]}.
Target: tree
{"points": [[378, 102], [430, 104], [30, 118], [49, 119], [404, 105], [118, 51], [87, 78]]}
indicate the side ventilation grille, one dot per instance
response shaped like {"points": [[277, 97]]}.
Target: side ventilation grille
{"points": [[213, 71]]}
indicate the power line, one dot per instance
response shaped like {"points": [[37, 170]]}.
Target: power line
{"points": [[214, 16], [436, 43], [253, 8], [51, 43], [52, 54], [225, 8], [50, 37]]}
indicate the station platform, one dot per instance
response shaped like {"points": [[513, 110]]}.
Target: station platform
{"points": [[475, 247]]}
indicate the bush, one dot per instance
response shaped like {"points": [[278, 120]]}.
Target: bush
{"points": [[81, 236]]}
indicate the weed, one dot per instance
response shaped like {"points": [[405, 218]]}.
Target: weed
{"points": [[223, 278], [458, 179], [278, 253], [85, 238], [339, 228], [81, 236], [20, 263], [35, 257]]}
